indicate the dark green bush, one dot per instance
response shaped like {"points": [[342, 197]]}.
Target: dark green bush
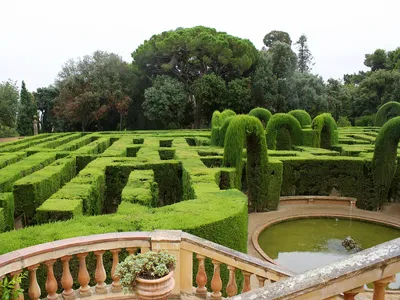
{"points": [[6, 132], [343, 122], [302, 116], [261, 113], [387, 111], [216, 123], [285, 121], [7, 206], [326, 129]]}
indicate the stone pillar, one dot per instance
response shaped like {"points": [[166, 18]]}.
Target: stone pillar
{"points": [[350, 295], [380, 287]]}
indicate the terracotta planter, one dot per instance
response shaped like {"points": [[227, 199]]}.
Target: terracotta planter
{"points": [[156, 289]]}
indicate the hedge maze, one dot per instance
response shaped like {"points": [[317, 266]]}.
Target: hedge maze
{"points": [[204, 182]]}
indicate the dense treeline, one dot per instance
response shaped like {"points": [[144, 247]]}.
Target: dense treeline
{"points": [[178, 78]]}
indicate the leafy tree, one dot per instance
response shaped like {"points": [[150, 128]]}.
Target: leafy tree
{"points": [[284, 60], [339, 98], [8, 103], [189, 53], [304, 55], [355, 78], [26, 112], [45, 98], [377, 60], [239, 95], [166, 100], [393, 60], [122, 107], [89, 90], [210, 90], [277, 36]]}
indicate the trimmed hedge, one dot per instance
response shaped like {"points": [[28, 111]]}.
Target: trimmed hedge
{"points": [[8, 159], [246, 128], [384, 162], [285, 121], [96, 147], [387, 111], [326, 129], [31, 191], [217, 120], [261, 113], [12, 173], [118, 148], [141, 188], [76, 144], [223, 129], [7, 205], [302, 116]]}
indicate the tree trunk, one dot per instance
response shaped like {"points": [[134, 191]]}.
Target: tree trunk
{"points": [[197, 112]]}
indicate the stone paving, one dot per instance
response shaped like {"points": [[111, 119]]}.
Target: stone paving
{"points": [[389, 214]]}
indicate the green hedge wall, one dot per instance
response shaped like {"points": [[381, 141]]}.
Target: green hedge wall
{"points": [[261, 113], [223, 129], [302, 116], [386, 111], [217, 120], [286, 121], [8, 159], [141, 188], [7, 205], [326, 129]]}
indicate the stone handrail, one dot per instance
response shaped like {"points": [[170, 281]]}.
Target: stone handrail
{"points": [[378, 264], [182, 245], [334, 200]]}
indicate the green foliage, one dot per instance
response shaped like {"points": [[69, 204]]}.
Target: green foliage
{"points": [[261, 113], [384, 162], [218, 119], [223, 129], [343, 122], [386, 111], [239, 95], [8, 107], [26, 112], [166, 100], [305, 57], [276, 36], [246, 129], [45, 98], [7, 205], [377, 60], [8, 290], [284, 60], [6, 132], [302, 116], [326, 129], [141, 188], [285, 121], [149, 265], [366, 120]]}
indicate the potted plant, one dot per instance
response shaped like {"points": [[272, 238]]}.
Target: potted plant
{"points": [[149, 275]]}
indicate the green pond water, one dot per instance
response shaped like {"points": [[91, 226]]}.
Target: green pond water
{"points": [[301, 245]]}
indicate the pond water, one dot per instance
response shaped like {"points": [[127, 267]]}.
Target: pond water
{"points": [[304, 244]]}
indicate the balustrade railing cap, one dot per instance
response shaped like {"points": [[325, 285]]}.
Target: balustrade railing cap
{"points": [[166, 236]]}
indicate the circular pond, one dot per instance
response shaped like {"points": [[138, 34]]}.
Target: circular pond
{"points": [[304, 244]]}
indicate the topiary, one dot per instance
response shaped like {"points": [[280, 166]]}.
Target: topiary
{"points": [[263, 114], [225, 114], [387, 111], [217, 120], [384, 161], [326, 128], [223, 129], [286, 121], [250, 130], [302, 116]]}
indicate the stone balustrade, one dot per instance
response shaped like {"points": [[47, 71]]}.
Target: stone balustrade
{"points": [[182, 245], [347, 276], [327, 200]]}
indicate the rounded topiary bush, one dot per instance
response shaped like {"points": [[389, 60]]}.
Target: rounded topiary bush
{"points": [[326, 129], [223, 129], [285, 121], [302, 116], [247, 129], [387, 111], [384, 161], [225, 114], [261, 113], [215, 124]]}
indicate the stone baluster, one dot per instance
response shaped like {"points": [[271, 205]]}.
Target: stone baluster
{"points": [[380, 287], [246, 283], [17, 285], [51, 282], [261, 281], [66, 279], [201, 278], [34, 289], [131, 250], [350, 295], [100, 274], [231, 287], [83, 276], [116, 285], [216, 282]]}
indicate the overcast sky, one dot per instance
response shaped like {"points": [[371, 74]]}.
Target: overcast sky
{"points": [[37, 36]]}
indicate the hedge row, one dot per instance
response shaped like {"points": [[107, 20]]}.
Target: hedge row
{"points": [[31, 191], [8, 159], [77, 143], [386, 111], [7, 206], [141, 188], [326, 128], [261, 113], [216, 122], [12, 147], [24, 140], [302, 116], [12, 173], [96, 147], [118, 148], [61, 140]]}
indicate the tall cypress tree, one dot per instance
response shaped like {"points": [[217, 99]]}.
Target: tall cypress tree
{"points": [[26, 112], [305, 57]]}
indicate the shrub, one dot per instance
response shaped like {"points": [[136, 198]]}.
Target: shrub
{"points": [[302, 116], [6, 132], [343, 122], [326, 128], [387, 111], [216, 122], [285, 121], [223, 129], [365, 120], [261, 113]]}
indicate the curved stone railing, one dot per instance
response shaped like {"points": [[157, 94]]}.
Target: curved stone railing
{"points": [[329, 200], [182, 245], [378, 264]]}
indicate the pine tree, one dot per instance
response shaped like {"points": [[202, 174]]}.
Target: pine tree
{"points": [[26, 112], [305, 57]]}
